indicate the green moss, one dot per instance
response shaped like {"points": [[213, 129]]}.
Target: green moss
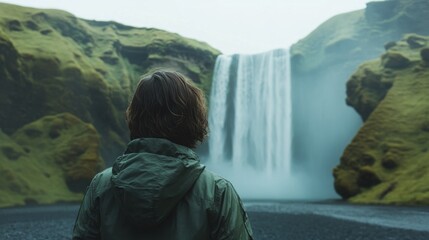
{"points": [[367, 87], [54, 159], [393, 133], [52, 62], [88, 68]]}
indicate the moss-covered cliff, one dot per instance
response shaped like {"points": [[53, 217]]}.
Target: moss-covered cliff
{"points": [[322, 62], [53, 62], [49, 160], [388, 160]]}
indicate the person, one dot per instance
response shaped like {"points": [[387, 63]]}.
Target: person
{"points": [[158, 189]]}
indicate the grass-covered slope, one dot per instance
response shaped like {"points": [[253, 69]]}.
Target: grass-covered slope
{"points": [[349, 38], [388, 160], [49, 160], [53, 62]]}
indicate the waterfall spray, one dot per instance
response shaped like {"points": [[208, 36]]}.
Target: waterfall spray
{"points": [[250, 123]]}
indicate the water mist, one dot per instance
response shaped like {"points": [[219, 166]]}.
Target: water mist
{"points": [[250, 125]]}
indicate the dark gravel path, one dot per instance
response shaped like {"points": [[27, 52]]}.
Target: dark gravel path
{"points": [[308, 226], [269, 220]]}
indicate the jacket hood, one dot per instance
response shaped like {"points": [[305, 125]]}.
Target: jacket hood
{"points": [[151, 177]]}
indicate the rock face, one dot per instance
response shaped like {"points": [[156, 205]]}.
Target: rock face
{"points": [[322, 62], [53, 62], [350, 38], [49, 160], [388, 160]]}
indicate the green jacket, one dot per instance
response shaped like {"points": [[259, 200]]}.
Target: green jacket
{"points": [[159, 190]]}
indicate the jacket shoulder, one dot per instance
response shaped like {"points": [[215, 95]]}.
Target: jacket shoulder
{"points": [[226, 214], [209, 185], [101, 181]]}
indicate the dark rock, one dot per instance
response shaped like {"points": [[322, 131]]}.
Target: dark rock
{"points": [[136, 55], [11, 153], [367, 159], [389, 189], [365, 89], [394, 60], [32, 25], [371, 79], [424, 53], [46, 31], [389, 161], [416, 41], [54, 133], [110, 60], [367, 178], [14, 25], [389, 45]]}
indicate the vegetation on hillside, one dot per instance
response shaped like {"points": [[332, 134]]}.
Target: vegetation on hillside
{"points": [[49, 160], [52, 62], [388, 160]]}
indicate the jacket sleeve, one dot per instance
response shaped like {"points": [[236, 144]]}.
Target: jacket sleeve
{"points": [[87, 225], [228, 219]]}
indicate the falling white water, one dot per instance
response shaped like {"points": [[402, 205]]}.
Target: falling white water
{"points": [[250, 123]]}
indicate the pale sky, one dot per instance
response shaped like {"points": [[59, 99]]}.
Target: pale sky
{"points": [[232, 26]]}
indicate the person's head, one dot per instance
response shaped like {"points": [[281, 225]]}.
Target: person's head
{"points": [[167, 105]]}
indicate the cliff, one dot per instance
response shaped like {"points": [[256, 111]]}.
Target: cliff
{"points": [[53, 62], [350, 38], [323, 125], [387, 161]]}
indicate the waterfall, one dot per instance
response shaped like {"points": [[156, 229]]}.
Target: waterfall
{"points": [[250, 123]]}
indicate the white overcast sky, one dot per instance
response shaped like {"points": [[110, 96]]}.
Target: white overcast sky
{"points": [[232, 26]]}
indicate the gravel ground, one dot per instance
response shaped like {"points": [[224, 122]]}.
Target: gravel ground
{"points": [[308, 226], [275, 220]]}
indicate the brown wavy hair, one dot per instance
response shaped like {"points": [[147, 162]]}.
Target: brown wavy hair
{"points": [[167, 105]]}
